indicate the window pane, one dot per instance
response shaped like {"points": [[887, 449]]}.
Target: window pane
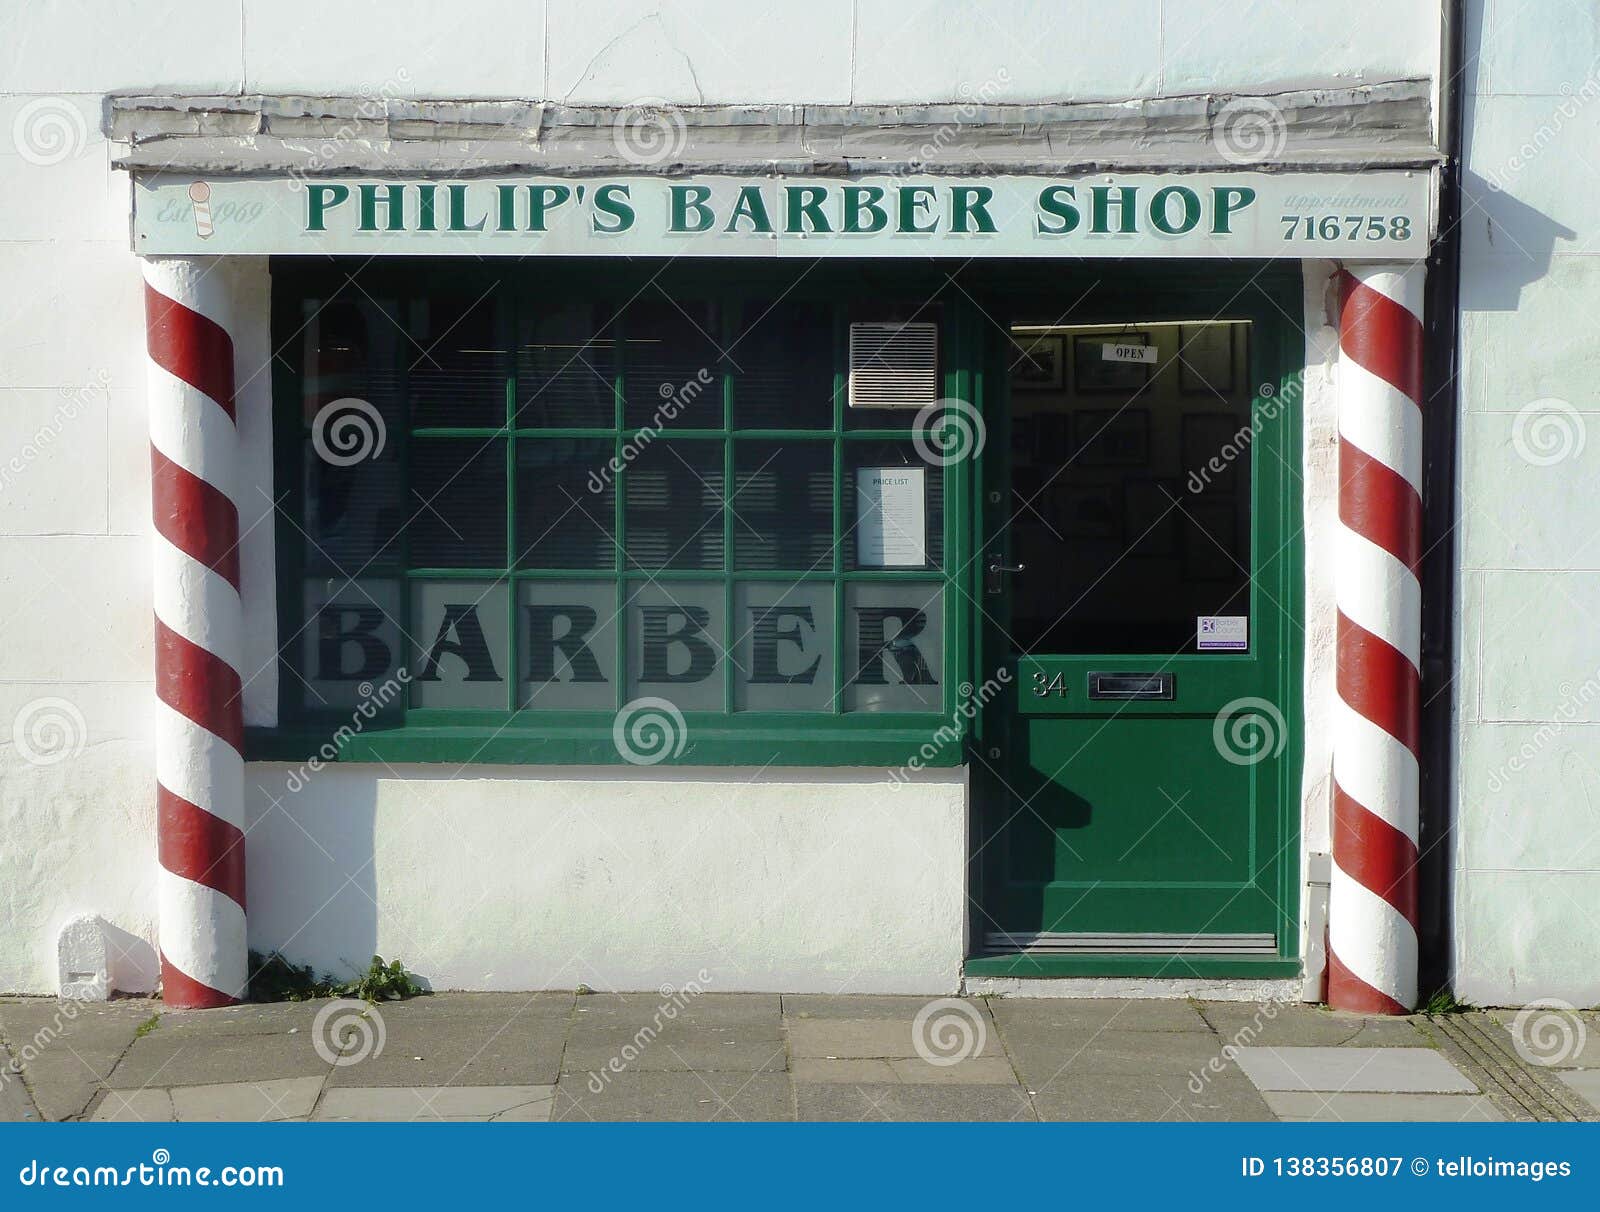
{"points": [[351, 643], [676, 644], [892, 525], [1130, 487], [783, 646], [568, 644], [674, 494], [562, 521], [894, 646], [566, 369], [783, 365], [672, 365], [459, 365], [458, 503], [783, 505], [354, 514], [463, 650], [351, 407], [351, 345]]}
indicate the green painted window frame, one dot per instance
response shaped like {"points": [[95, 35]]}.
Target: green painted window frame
{"points": [[533, 736]]}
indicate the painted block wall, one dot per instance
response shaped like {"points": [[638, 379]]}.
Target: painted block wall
{"points": [[1527, 837], [618, 879], [76, 782]]}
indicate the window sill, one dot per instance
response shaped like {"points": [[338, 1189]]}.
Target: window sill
{"points": [[889, 748]]}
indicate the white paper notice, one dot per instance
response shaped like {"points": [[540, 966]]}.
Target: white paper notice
{"points": [[891, 517], [1222, 633]]}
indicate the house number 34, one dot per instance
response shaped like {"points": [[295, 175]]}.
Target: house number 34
{"points": [[1044, 685]]}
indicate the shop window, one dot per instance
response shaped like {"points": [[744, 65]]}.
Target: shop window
{"points": [[540, 508]]}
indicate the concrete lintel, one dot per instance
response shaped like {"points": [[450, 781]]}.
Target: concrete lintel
{"points": [[1322, 130]]}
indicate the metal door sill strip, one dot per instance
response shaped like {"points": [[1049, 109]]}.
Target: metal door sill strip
{"points": [[1061, 943]]}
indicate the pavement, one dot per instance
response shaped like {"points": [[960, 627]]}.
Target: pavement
{"points": [[685, 1055]]}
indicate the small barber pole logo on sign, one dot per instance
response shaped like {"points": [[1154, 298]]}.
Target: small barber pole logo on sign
{"points": [[200, 196]]}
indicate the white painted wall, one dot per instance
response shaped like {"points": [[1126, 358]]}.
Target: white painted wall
{"points": [[77, 834], [616, 878], [1320, 514], [1527, 837], [718, 51]]}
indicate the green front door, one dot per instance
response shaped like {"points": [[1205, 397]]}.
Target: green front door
{"points": [[1138, 778]]}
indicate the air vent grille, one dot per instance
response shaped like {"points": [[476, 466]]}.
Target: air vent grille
{"points": [[894, 365]]}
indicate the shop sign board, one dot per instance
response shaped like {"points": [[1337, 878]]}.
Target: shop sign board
{"points": [[1383, 215]]}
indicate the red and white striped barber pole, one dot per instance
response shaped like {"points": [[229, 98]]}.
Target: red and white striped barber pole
{"points": [[200, 723], [1372, 907]]}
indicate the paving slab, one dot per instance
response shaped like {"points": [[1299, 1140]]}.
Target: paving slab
{"points": [[1586, 1082], [546, 1003], [1282, 1025], [744, 1056], [856, 1005], [67, 1049], [16, 1105], [1358, 1070], [136, 1107], [433, 1042], [202, 1060], [678, 1053], [1044, 1055], [610, 1033], [970, 1071], [838, 1102], [1350, 1108], [845, 1038], [1168, 1097], [1553, 1038], [634, 1010], [852, 1071], [247, 1102], [275, 1018], [519, 1104], [691, 1097], [1096, 1014]]}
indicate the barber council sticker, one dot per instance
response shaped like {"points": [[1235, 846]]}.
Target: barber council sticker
{"points": [[1222, 633]]}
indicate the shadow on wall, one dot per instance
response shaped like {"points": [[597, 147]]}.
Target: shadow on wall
{"points": [[131, 962], [1494, 222], [1515, 239], [1520, 239], [326, 913]]}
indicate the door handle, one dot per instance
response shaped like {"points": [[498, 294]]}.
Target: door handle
{"points": [[994, 581]]}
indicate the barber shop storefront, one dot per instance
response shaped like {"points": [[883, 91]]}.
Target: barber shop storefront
{"points": [[969, 500]]}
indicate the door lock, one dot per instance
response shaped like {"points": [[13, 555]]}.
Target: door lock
{"points": [[995, 578]]}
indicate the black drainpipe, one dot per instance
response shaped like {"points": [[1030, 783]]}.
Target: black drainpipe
{"points": [[1441, 397]]}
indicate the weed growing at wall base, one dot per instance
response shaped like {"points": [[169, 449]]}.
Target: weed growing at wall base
{"points": [[274, 978]]}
